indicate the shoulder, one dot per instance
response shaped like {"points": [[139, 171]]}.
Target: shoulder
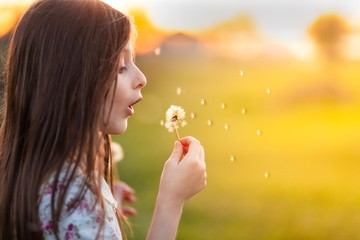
{"points": [[82, 221]]}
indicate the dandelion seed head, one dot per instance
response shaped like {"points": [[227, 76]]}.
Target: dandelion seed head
{"points": [[175, 115]]}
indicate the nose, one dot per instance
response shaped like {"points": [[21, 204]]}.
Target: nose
{"points": [[140, 79]]}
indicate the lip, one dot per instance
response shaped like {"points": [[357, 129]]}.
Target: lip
{"points": [[130, 107]]}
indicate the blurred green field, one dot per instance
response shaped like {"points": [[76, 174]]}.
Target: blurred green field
{"points": [[308, 146], [288, 166]]}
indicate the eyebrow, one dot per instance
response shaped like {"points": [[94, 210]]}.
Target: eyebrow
{"points": [[128, 51]]}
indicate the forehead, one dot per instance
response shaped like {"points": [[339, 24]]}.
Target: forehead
{"points": [[128, 49]]}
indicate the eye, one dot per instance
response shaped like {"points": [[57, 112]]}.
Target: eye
{"points": [[122, 69]]}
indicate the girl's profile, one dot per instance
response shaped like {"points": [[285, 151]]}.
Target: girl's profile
{"points": [[70, 83]]}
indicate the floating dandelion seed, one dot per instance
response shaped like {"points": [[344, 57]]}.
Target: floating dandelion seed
{"points": [[241, 73], [202, 102], [232, 158], [243, 111], [266, 174], [192, 115], [183, 123], [157, 51], [162, 123], [181, 91], [223, 106], [259, 132], [226, 127], [209, 123], [268, 91], [175, 115]]}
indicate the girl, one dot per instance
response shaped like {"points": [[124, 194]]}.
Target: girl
{"points": [[71, 82]]}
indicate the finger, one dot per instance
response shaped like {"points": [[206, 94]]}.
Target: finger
{"points": [[186, 141], [126, 188], [129, 211], [129, 197], [194, 149], [177, 153]]}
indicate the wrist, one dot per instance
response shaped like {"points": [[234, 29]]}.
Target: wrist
{"points": [[166, 218], [169, 203]]}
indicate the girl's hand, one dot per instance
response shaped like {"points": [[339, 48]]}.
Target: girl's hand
{"points": [[184, 173], [123, 193]]}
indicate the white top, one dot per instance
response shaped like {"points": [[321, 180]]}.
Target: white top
{"points": [[84, 221]]}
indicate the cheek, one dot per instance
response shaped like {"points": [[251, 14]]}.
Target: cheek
{"points": [[120, 101]]}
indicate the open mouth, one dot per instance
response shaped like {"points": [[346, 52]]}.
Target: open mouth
{"points": [[131, 106]]}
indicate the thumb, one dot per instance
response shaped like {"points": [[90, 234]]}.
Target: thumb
{"points": [[177, 153]]}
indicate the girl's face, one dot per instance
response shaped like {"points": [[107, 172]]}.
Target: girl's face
{"points": [[119, 102]]}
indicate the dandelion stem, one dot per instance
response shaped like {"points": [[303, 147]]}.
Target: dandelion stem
{"points": [[177, 134]]}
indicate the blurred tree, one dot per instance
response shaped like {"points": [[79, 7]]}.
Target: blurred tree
{"points": [[328, 31], [239, 23], [237, 37], [149, 35]]}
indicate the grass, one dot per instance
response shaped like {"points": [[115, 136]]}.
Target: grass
{"points": [[309, 146]]}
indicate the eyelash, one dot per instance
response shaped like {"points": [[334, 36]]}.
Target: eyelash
{"points": [[122, 69]]}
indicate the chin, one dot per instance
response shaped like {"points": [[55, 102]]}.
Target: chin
{"points": [[121, 128], [116, 129]]}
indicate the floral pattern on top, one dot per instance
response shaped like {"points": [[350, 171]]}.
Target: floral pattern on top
{"points": [[84, 221]]}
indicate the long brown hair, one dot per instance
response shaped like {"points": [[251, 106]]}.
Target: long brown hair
{"points": [[62, 60]]}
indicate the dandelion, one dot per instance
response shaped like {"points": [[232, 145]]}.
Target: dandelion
{"points": [[175, 116], [117, 151]]}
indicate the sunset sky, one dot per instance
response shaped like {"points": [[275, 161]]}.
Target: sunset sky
{"points": [[282, 21], [276, 18]]}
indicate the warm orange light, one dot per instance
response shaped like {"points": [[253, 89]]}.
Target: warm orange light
{"points": [[149, 36], [10, 13], [8, 19]]}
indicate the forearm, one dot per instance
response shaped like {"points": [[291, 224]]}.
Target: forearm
{"points": [[165, 220]]}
